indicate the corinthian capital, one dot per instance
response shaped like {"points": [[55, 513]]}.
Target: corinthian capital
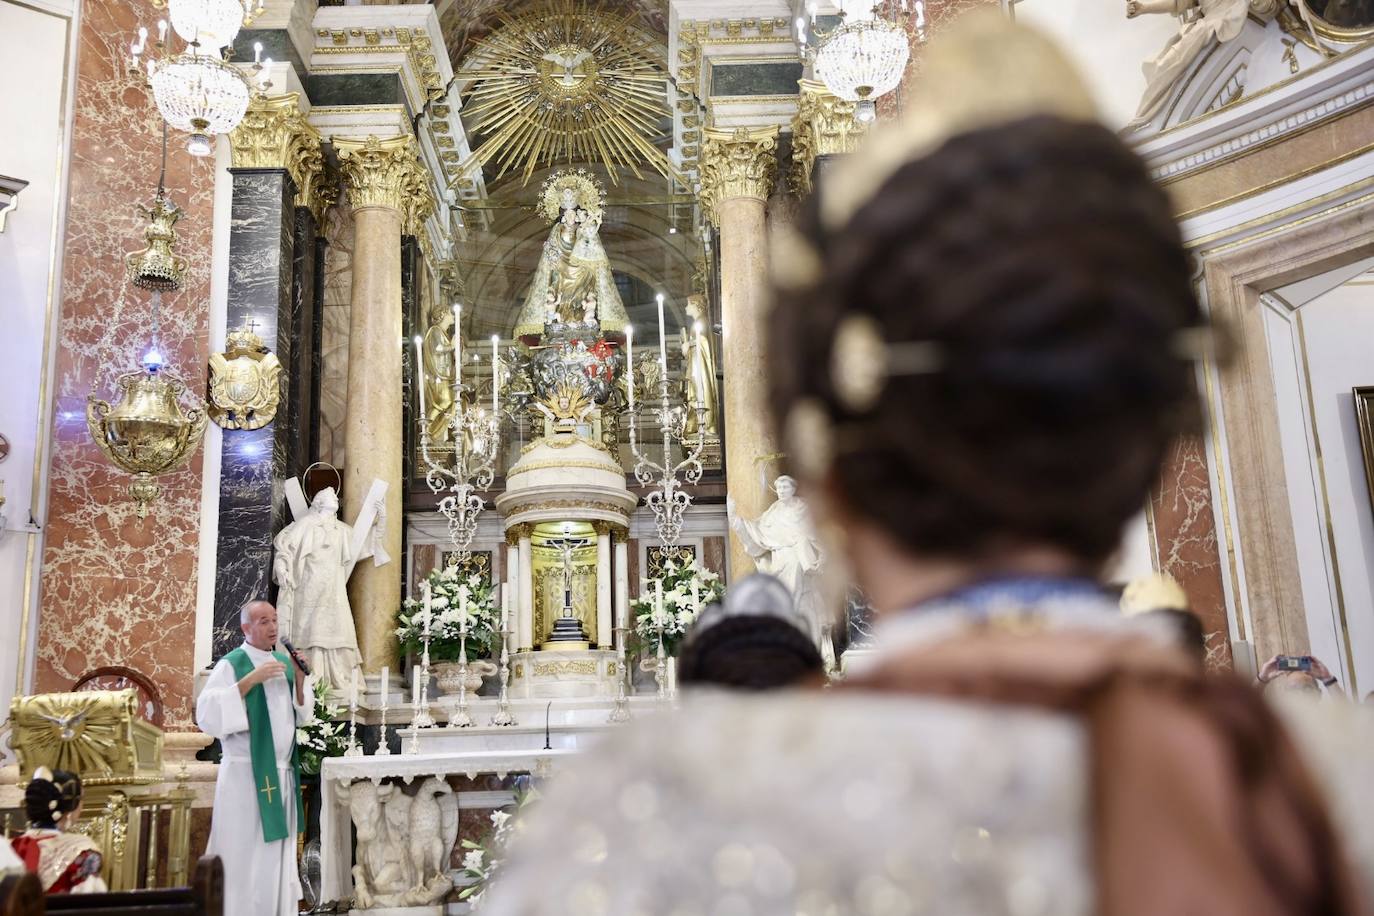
{"points": [[380, 173], [737, 163], [275, 135], [824, 126]]}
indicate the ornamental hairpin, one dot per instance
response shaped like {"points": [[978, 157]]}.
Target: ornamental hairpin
{"points": [[861, 362]]}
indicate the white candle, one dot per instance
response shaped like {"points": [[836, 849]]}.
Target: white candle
{"points": [[457, 347], [420, 376], [162, 30], [415, 692], [630, 362], [353, 691], [386, 683], [658, 601], [505, 609], [495, 371], [463, 614], [257, 52], [429, 605], [662, 338]]}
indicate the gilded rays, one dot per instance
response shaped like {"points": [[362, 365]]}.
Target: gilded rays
{"points": [[565, 84]]}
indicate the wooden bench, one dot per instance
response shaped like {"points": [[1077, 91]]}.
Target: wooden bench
{"points": [[205, 897]]}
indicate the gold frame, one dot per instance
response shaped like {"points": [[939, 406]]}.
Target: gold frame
{"points": [[1363, 397]]}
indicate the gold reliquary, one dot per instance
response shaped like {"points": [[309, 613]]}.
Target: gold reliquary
{"points": [[95, 734]]}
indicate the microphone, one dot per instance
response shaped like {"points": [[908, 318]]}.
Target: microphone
{"points": [[296, 656]]}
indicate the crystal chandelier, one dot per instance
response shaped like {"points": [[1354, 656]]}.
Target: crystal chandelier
{"points": [[197, 90], [863, 60]]}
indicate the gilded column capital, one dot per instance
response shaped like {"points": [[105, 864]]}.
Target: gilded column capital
{"points": [[417, 203], [379, 173], [739, 163], [274, 134], [824, 126]]}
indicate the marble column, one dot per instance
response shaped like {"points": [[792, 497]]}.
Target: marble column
{"points": [[604, 627], [737, 172], [823, 129], [379, 175], [276, 155], [513, 582], [525, 636], [622, 583]]}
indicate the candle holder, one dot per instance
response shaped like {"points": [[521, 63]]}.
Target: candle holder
{"points": [[382, 749], [460, 717], [661, 657], [354, 748], [668, 501], [476, 438], [503, 715], [422, 718], [621, 711]]}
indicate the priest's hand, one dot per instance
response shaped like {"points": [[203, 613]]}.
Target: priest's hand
{"points": [[264, 672]]}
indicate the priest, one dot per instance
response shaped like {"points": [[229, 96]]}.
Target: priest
{"points": [[253, 701]]}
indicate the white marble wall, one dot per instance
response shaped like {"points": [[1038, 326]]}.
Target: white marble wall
{"points": [[34, 54]]}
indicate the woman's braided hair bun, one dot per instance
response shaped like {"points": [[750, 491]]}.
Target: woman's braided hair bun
{"points": [[1045, 265]]}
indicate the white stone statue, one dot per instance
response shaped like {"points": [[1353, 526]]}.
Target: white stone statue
{"points": [[315, 555], [404, 843], [784, 545], [1201, 21]]}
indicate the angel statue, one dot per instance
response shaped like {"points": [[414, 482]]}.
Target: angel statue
{"points": [[1201, 21], [574, 278]]}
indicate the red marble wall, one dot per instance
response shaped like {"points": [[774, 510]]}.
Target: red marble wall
{"points": [[1186, 540], [938, 15], [116, 590]]}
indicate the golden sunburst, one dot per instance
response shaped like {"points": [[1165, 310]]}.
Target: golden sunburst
{"points": [[564, 84]]}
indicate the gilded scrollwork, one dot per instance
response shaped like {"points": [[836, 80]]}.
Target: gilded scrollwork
{"points": [[739, 163], [824, 126], [274, 134], [380, 172]]}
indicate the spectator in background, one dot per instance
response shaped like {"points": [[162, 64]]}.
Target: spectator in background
{"points": [[1298, 674], [755, 640]]}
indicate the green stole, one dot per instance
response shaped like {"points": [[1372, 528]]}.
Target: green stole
{"points": [[271, 806]]}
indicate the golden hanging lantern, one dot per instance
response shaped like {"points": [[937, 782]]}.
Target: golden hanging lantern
{"points": [[156, 267], [147, 433]]}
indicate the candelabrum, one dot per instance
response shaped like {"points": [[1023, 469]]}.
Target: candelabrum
{"points": [[503, 715], [660, 657], [422, 718], [460, 717], [382, 748], [354, 748], [476, 437], [621, 712], [668, 500]]}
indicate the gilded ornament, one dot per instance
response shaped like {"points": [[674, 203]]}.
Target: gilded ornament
{"points": [[564, 82], [245, 382], [379, 173], [156, 267], [737, 163], [274, 134], [147, 433], [824, 126], [557, 669], [96, 734]]}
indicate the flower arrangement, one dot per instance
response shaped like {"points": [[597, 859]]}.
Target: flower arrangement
{"points": [[324, 737], [452, 597], [688, 588], [483, 860]]}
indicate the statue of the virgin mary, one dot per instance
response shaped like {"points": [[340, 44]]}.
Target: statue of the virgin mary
{"points": [[573, 266]]}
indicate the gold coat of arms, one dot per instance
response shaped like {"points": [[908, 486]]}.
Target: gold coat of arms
{"points": [[245, 382]]}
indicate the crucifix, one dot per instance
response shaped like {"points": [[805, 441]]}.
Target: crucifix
{"points": [[566, 546], [252, 325]]}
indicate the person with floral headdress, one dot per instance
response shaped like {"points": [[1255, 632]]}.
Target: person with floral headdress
{"points": [[983, 347], [64, 861]]}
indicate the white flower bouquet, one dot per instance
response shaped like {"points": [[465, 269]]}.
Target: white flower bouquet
{"points": [[455, 600], [688, 589]]}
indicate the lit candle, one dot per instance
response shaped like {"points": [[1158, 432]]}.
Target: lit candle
{"points": [[161, 30], [386, 684], [630, 362], [257, 52], [420, 376], [658, 601], [495, 370], [353, 691], [457, 348], [662, 338], [463, 614]]}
